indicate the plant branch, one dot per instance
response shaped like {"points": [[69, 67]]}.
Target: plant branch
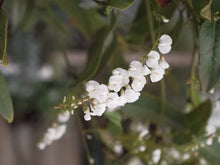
{"points": [[89, 157]]}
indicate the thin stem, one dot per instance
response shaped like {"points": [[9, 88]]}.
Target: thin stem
{"points": [[154, 46], [192, 88], [150, 21], [89, 157], [1, 3], [163, 98]]}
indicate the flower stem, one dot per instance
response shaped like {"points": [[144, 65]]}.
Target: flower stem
{"points": [[89, 157], [150, 20]]}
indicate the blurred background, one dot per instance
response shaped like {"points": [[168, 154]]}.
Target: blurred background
{"points": [[45, 38]]}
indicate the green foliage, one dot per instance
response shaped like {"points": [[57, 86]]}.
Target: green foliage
{"points": [[148, 107], [199, 5], [114, 124], [3, 36], [211, 153], [87, 21], [6, 107], [99, 49], [209, 61], [197, 119], [121, 4]]}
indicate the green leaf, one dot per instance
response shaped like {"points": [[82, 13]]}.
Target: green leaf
{"points": [[211, 153], [6, 107], [51, 18], [176, 30], [181, 138], [114, 125], [209, 60], [3, 36], [148, 108], [121, 4], [98, 49], [86, 20], [197, 119]]}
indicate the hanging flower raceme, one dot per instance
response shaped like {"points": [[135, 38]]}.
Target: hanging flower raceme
{"points": [[124, 86]]}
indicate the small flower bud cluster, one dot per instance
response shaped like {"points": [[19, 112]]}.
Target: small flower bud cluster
{"points": [[124, 86], [56, 131]]}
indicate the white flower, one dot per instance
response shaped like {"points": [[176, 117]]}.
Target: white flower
{"points": [[118, 79], [164, 45], [138, 83], [97, 91], [60, 130], [87, 116], [98, 109], [123, 73], [163, 64], [91, 85], [131, 95], [152, 60], [115, 83], [165, 20], [136, 69], [63, 117], [156, 74], [118, 148], [53, 133], [113, 101], [156, 156], [122, 100]]}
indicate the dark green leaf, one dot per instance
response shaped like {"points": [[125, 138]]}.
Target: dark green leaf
{"points": [[199, 5], [6, 107], [97, 50], [114, 125], [86, 20], [148, 108], [121, 4], [215, 5], [181, 138], [197, 119], [3, 36], [209, 61]]}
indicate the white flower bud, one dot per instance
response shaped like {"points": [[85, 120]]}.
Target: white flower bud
{"points": [[87, 116], [163, 64], [165, 43]]}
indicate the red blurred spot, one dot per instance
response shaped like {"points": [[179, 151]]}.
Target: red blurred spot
{"points": [[163, 3]]}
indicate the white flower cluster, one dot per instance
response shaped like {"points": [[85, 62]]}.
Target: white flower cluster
{"points": [[124, 86], [56, 131]]}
